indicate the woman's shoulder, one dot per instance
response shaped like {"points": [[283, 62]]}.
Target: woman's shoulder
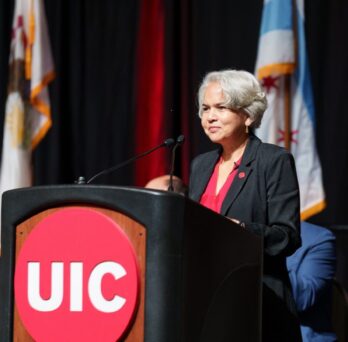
{"points": [[204, 161], [271, 151], [207, 156], [272, 148], [271, 157], [265, 149]]}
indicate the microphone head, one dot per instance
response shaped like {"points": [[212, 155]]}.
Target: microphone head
{"points": [[169, 142], [180, 139]]}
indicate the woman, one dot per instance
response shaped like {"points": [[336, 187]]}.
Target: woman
{"points": [[252, 183]]}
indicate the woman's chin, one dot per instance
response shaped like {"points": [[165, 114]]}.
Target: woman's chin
{"points": [[213, 137], [215, 140]]}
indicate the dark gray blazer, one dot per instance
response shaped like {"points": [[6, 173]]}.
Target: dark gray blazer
{"points": [[265, 196]]}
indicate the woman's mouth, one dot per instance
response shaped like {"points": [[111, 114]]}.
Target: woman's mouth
{"points": [[213, 129]]}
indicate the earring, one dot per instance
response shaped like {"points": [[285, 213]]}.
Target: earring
{"points": [[247, 129]]}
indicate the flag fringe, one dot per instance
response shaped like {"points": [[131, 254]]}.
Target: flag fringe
{"points": [[315, 209], [44, 83], [41, 133], [42, 108], [275, 69]]}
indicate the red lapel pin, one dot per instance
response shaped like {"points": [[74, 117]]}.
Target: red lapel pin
{"points": [[241, 175]]}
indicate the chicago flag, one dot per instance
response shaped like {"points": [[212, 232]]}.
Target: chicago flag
{"points": [[282, 67]]}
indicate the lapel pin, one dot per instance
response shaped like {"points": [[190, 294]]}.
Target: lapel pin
{"points": [[241, 175]]}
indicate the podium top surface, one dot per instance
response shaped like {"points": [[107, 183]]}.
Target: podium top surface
{"points": [[24, 202]]}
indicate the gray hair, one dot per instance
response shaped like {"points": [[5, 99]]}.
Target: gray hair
{"points": [[242, 93]]}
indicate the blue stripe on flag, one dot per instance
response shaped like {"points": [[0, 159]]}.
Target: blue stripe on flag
{"points": [[276, 15], [302, 74]]}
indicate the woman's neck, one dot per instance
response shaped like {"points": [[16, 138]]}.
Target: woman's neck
{"points": [[233, 152]]}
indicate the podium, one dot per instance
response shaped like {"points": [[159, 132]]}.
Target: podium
{"points": [[199, 273]]}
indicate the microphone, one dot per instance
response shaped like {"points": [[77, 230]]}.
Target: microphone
{"points": [[179, 141], [166, 143]]}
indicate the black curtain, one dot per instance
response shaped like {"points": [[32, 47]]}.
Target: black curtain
{"points": [[92, 98], [93, 46]]}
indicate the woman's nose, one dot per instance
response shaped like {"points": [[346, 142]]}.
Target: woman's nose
{"points": [[211, 114]]}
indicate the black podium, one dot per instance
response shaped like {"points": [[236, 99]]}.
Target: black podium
{"points": [[200, 273]]}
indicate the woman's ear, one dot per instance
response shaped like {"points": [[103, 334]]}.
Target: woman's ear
{"points": [[248, 121]]}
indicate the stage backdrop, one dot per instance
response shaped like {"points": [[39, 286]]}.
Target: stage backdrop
{"points": [[121, 63]]}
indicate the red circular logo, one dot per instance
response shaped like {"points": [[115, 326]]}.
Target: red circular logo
{"points": [[76, 278]]}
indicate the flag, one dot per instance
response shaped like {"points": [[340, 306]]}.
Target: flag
{"points": [[27, 112], [282, 68]]}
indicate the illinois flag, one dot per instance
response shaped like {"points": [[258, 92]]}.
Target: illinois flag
{"points": [[289, 121], [27, 116]]}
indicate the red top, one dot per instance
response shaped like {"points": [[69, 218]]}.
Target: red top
{"points": [[209, 198]]}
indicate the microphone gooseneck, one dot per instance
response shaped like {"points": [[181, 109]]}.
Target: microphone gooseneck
{"points": [[166, 143], [179, 141]]}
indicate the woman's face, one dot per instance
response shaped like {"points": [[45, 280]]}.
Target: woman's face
{"points": [[222, 125]]}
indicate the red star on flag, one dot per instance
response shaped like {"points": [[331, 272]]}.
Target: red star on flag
{"points": [[282, 136], [269, 82]]}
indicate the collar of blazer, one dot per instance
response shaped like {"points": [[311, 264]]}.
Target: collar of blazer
{"points": [[244, 171], [206, 169]]}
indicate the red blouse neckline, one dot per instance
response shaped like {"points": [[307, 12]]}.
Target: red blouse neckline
{"points": [[209, 198]]}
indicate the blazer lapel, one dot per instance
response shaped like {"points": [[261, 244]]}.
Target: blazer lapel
{"points": [[204, 173], [242, 175]]}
